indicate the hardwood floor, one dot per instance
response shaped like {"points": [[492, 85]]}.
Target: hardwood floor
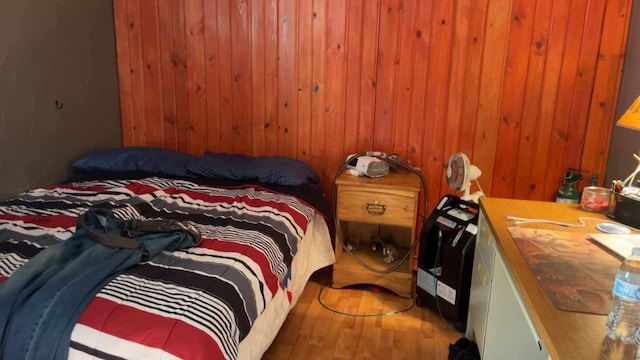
{"points": [[313, 332]]}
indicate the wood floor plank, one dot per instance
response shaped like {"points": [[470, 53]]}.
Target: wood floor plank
{"points": [[343, 331]]}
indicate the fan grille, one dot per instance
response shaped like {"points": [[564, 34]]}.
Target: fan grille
{"points": [[458, 165]]}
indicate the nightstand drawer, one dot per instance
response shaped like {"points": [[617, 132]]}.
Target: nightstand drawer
{"points": [[383, 206]]}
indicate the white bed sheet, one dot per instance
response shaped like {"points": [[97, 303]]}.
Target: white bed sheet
{"points": [[314, 253]]}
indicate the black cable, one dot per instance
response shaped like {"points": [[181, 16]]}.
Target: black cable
{"points": [[384, 157], [393, 312]]}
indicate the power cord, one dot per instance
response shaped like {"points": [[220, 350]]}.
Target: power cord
{"points": [[360, 315], [521, 221], [393, 161]]}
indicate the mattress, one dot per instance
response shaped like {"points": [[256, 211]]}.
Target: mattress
{"points": [[225, 298], [314, 254]]}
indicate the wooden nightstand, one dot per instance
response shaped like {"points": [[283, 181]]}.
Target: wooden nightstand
{"points": [[367, 208]]}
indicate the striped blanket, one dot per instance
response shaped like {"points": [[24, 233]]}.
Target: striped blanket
{"points": [[194, 303]]}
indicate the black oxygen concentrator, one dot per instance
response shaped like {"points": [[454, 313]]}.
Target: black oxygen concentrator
{"points": [[445, 259]]}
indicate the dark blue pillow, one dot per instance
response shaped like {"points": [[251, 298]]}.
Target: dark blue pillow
{"points": [[148, 159], [266, 169]]}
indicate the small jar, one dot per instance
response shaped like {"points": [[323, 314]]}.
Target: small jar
{"points": [[595, 198]]}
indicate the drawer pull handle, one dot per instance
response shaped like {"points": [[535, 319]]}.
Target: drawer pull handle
{"points": [[376, 209]]}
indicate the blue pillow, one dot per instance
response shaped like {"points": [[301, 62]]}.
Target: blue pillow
{"points": [[148, 159], [266, 169]]}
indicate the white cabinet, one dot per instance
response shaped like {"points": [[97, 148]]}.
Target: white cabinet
{"points": [[497, 316], [481, 283], [509, 333]]}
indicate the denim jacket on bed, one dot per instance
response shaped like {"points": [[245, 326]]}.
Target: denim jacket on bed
{"points": [[42, 301]]}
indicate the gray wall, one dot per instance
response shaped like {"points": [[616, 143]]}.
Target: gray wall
{"points": [[58, 88], [625, 142]]}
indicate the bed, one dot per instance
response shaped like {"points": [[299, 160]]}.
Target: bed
{"points": [[264, 229]]}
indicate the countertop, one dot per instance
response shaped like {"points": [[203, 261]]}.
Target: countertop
{"points": [[566, 334]]}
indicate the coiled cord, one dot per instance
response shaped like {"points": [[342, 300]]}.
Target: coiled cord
{"points": [[392, 312], [521, 221]]}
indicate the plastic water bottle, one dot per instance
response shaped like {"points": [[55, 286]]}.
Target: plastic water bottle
{"points": [[622, 322]]}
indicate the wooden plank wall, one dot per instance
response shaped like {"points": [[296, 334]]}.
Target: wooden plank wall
{"points": [[525, 88]]}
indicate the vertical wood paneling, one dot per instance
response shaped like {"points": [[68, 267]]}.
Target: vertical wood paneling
{"points": [[438, 82], [491, 82], [196, 76], [370, 33], [241, 70], [418, 126], [272, 77], [181, 86], [524, 186], [404, 89], [167, 74], [258, 76], [287, 74], [525, 88], [136, 65], [605, 89], [305, 79], [386, 73], [318, 102], [121, 27], [212, 80], [153, 104], [416, 123], [584, 86], [336, 71], [545, 180], [225, 74], [354, 78], [457, 84], [515, 76], [565, 97], [471, 82]]}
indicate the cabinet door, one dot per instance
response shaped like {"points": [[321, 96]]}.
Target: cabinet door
{"points": [[479, 300], [481, 283], [510, 333]]}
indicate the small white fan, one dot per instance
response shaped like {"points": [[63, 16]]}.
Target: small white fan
{"points": [[460, 173]]}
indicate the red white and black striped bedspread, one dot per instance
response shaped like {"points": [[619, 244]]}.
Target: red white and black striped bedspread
{"points": [[196, 303]]}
